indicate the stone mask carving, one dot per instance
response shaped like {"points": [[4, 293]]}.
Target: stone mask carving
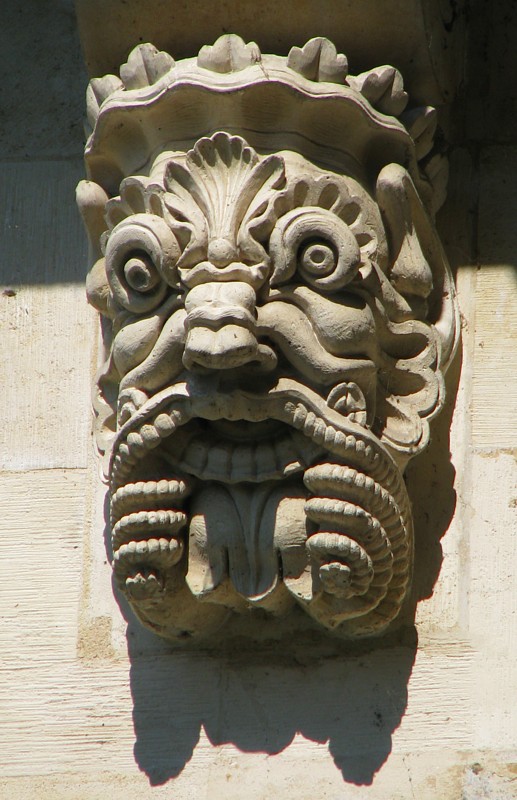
{"points": [[278, 316]]}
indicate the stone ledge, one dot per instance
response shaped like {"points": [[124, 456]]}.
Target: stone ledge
{"points": [[420, 37]]}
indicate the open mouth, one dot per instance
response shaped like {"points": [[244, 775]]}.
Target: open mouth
{"points": [[236, 436], [239, 451], [359, 518]]}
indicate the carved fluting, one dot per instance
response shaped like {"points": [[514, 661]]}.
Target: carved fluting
{"points": [[278, 317]]}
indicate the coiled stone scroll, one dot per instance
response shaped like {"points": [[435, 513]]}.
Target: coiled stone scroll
{"points": [[278, 316]]}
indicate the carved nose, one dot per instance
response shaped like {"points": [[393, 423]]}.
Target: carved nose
{"points": [[220, 326]]}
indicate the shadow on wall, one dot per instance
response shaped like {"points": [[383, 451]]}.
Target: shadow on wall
{"points": [[258, 696], [430, 483], [43, 81], [258, 701]]}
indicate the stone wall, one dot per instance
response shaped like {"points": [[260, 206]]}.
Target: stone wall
{"points": [[91, 704]]}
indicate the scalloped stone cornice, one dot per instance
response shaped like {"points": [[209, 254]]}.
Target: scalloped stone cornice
{"points": [[422, 38]]}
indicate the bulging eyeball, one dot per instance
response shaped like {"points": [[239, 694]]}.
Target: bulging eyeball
{"points": [[141, 257], [317, 258], [140, 272], [316, 243]]}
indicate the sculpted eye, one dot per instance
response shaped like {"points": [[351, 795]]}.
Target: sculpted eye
{"points": [[318, 258], [140, 272], [318, 244], [141, 257]]}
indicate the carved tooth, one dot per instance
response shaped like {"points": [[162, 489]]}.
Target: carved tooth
{"points": [[150, 436], [152, 518], [340, 439], [136, 444], [123, 450], [330, 436], [196, 455], [265, 459], [350, 442], [141, 548], [140, 587], [360, 447], [242, 463], [319, 431], [177, 417], [360, 479], [308, 426], [219, 461], [164, 425], [179, 488], [299, 416], [153, 546]]}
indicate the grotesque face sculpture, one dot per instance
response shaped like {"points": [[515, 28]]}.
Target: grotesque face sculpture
{"points": [[277, 337]]}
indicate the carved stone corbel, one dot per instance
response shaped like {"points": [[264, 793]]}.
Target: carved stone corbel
{"points": [[278, 317]]}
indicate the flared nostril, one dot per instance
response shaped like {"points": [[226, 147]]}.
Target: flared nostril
{"points": [[220, 326], [228, 347]]}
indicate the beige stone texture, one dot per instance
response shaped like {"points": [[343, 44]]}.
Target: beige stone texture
{"points": [[369, 32], [92, 706], [41, 298], [42, 107], [323, 332]]}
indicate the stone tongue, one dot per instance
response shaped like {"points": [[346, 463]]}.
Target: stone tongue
{"points": [[232, 535]]}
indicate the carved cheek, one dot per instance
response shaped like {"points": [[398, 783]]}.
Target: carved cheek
{"points": [[163, 363], [344, 325], [134, 342]]}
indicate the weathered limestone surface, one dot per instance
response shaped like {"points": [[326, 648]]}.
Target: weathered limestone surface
{"points": [[414, 35], [277, 328], [39, 283], [42, 107], [92, 706]]}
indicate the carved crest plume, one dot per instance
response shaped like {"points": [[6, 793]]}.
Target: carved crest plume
{"points": [[224, 194]]}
